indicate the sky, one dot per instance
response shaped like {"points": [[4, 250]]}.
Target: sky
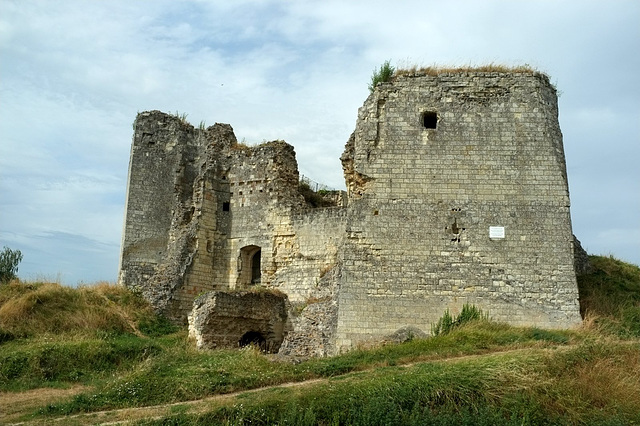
{"points": [[74, 74]]}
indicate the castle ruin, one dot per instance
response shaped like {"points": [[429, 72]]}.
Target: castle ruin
{"points": [[456, 193]]}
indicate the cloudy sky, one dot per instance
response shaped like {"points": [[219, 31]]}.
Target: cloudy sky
{"points": [[73, 75]]}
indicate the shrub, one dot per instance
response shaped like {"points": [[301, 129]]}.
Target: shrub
{"points": [[9, 260], [312, 198], [381, 75]]}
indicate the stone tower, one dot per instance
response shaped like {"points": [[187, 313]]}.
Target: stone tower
{"points": [[457, 193]]}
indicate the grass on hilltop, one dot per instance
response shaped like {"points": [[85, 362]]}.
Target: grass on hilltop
{"points": [[434, 70], [110, 341], [610, 296], [387, 73]]}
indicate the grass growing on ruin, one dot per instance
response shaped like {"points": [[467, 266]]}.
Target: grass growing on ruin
{"points": [[415, 70], [478, 370]]}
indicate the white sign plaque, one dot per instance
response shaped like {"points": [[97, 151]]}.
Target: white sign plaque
{"points": [[496, 232]]}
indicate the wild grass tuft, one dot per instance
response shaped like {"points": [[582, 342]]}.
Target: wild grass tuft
{"points": [[182, 117], [381, 75], [446, 323], [434, 70]]}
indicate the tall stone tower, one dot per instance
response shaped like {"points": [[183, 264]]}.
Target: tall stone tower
{"points": [[457, 194]]}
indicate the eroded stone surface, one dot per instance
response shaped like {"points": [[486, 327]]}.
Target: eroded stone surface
{"points": [[234, 319]]}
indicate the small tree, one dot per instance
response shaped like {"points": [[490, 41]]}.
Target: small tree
{"points": [[9, 260], [381, 75]]}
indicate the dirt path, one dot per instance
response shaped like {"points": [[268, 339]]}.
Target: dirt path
{"points": [[12, 404], [22, 402]]}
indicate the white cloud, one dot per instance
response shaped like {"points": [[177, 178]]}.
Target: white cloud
{"points": [[73, 75]]}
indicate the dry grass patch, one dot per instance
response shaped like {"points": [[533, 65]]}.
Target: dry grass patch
{"points": [[434, 70], [13, 404], [36, 309]]}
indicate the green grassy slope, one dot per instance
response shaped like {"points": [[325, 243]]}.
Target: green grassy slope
{"points": [[108, 340]]}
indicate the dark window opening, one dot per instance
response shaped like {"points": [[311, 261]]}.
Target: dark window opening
{"points": [[253, 338], [188, 215], [226, 206], [430, 120], [249, 263], [255, 268]]}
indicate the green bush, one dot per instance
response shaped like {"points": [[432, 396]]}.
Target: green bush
{"points": [[312, 198], [381, 75], [9, 260]]}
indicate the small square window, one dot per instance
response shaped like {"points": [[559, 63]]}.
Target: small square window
{"points": [[226, 206], [430, 119]]}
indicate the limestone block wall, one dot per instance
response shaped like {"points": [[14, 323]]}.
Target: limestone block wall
{"points": [[159, 149], [263, 190], [206, 213], [171, 210], [309, 273], [457, 194], [161, 173], [309, 253]]}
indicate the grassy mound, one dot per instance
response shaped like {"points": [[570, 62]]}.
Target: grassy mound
{"points": [[610, 296], [49, 309]]}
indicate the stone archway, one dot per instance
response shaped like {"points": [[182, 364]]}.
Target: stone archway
{"points": [[249, 266], [253, 338]]}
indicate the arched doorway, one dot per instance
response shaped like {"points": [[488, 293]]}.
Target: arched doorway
{"points": [[249, 266], [255, 267], [253, 338]]}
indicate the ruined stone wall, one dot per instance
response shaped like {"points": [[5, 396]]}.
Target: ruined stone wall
{"points": [[263, 185], [161, 174], [203, 211], [436, 163], [457, 193], [172, 207], [309, 252], [310, 272], [231, 319]]}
